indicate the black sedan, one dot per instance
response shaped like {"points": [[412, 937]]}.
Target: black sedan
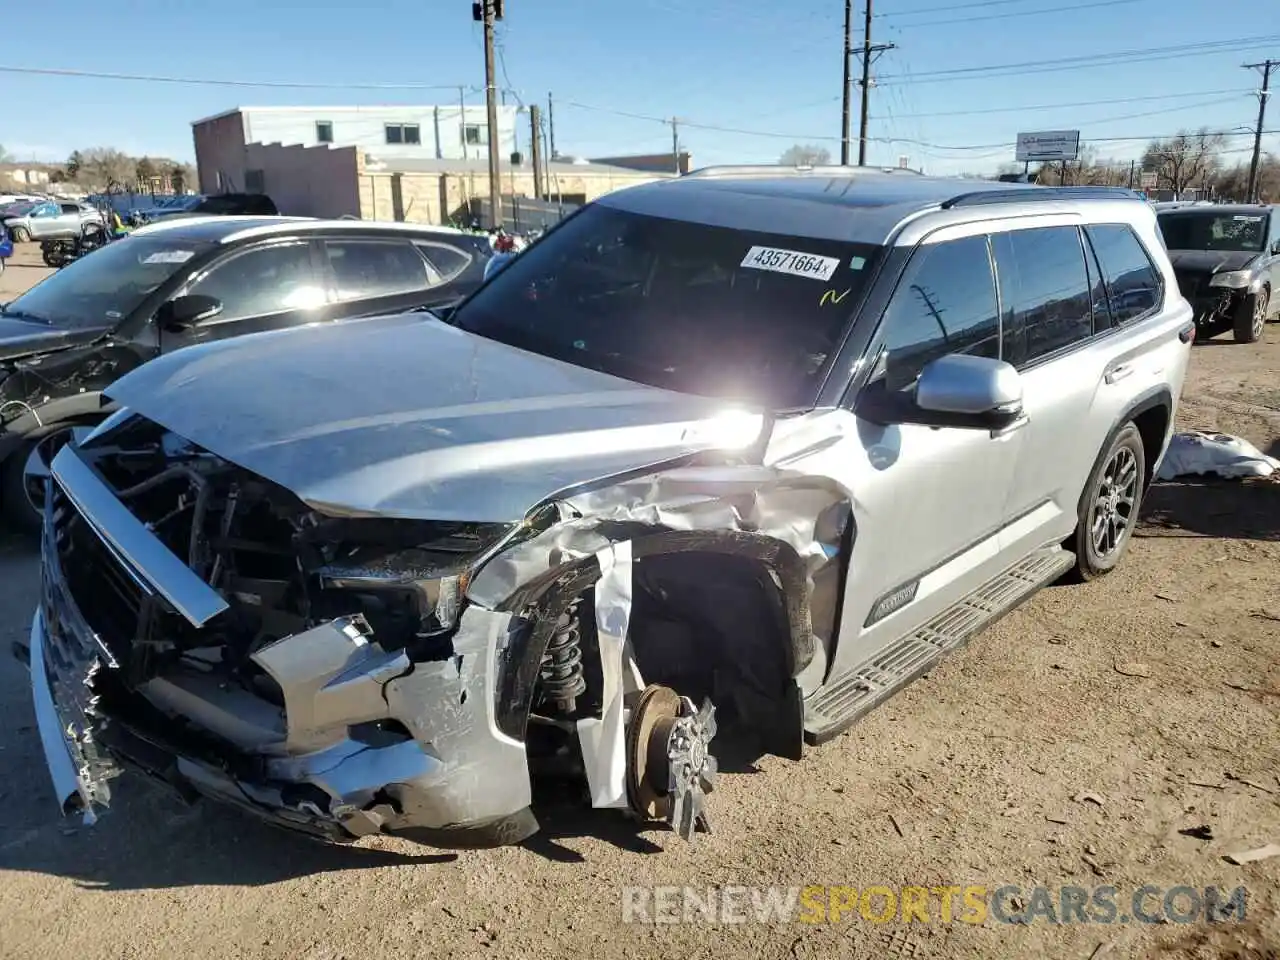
{"points": [[184, 282]]}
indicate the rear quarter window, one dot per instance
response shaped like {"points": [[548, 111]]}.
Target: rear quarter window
{"points": [[445, 259], [1133, 282]]}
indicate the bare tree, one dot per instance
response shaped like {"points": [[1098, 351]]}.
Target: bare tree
{"points": [[1183, 161], [101, 167], [805, 155], [146, 169], [1232, 183]]}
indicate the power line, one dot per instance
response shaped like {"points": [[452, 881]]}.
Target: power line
{"points": [[953, 6], [216, 82], [1060, 106], [1016, 13], [1138, 55], [717, 128]]}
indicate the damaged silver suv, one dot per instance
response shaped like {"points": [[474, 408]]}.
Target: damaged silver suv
{"points": [[751, 448]]}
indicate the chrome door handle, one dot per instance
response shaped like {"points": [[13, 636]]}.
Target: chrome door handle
{"points": [[1118, 373]]}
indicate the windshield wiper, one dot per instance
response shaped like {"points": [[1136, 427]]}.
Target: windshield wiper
{"points": [[24, 315]]}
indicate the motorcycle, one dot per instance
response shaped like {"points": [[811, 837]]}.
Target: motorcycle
{"points": [[57, 253]]}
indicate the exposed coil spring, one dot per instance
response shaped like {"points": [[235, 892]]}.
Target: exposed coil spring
{"points": [[561, 672]]}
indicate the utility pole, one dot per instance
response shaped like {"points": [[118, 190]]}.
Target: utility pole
{"points": [[675, 146], [462, 120], [1131, 163], [870, 51], [1265, 92], [551, 129], [487, 12], [848, 61], [535, 148]]}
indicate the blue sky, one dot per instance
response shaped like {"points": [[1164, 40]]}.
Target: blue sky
{"points": [[769, 68]]}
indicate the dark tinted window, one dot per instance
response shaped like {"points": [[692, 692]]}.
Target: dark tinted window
{"points": [[946, 303], [262, 281], [376, 268], [1046, 291], [1133, 286], [678, 304], [445, 260], [237, 204], [70, 207]]}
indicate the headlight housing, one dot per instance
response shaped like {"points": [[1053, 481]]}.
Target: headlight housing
{"points": [[411, 597], [1232, 279]]}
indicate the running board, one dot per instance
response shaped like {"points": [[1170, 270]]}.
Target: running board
{"points": [[845, 699]]}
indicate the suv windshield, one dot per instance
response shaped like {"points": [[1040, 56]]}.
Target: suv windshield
{"points": [[1186, 230], [681, 305], [105, 286]]}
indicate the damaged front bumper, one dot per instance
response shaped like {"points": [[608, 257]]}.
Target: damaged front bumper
{"points": [[1212, 305], [326, 763]]}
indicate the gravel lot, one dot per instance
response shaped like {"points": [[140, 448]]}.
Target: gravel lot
{"points": [[970, 777]]}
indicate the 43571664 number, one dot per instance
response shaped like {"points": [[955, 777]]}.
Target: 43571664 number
{"points": [[794, 262]]}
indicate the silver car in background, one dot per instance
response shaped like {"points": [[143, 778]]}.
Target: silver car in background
{"points": [[51, 219]]}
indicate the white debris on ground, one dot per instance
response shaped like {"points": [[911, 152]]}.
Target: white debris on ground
{"points": [[1218, 454]]}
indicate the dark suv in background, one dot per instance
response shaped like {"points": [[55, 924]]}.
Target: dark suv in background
{"points": [[185, 281], [1227, 261]]}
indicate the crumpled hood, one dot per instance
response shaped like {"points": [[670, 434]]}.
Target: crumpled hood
{"points": [[1210, 262], [409, 417], [21, 338]]}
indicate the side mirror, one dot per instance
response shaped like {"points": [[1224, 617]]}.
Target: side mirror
{"points": [[989, 392], [1275, 249], [183, 313]]}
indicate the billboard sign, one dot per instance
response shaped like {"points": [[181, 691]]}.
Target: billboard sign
{"points": [[1048, 145], [1149, 179]]}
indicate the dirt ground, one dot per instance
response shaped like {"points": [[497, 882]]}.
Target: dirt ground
{"points": [[1155, 691], [22, 271]]}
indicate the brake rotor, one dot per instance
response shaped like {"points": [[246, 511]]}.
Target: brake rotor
{"points": [[670, 769]]}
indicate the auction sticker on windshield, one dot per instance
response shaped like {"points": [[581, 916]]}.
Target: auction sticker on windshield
{"points": [[795, 262], [169, 256]]}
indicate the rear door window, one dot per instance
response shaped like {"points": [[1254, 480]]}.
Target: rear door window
{"points": [[1045, 289], [365, 269], [1133, 284]]}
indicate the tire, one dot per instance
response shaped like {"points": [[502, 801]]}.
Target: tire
{"points": [[1251, 316], [1109, 506], [19, 234], [21, 513]]}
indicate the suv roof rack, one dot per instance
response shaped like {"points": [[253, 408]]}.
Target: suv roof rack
{"points": [[1039, 194], [777, 169]]}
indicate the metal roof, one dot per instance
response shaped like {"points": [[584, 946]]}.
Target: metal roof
{"points": [[232, 229], [862, 205]]}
